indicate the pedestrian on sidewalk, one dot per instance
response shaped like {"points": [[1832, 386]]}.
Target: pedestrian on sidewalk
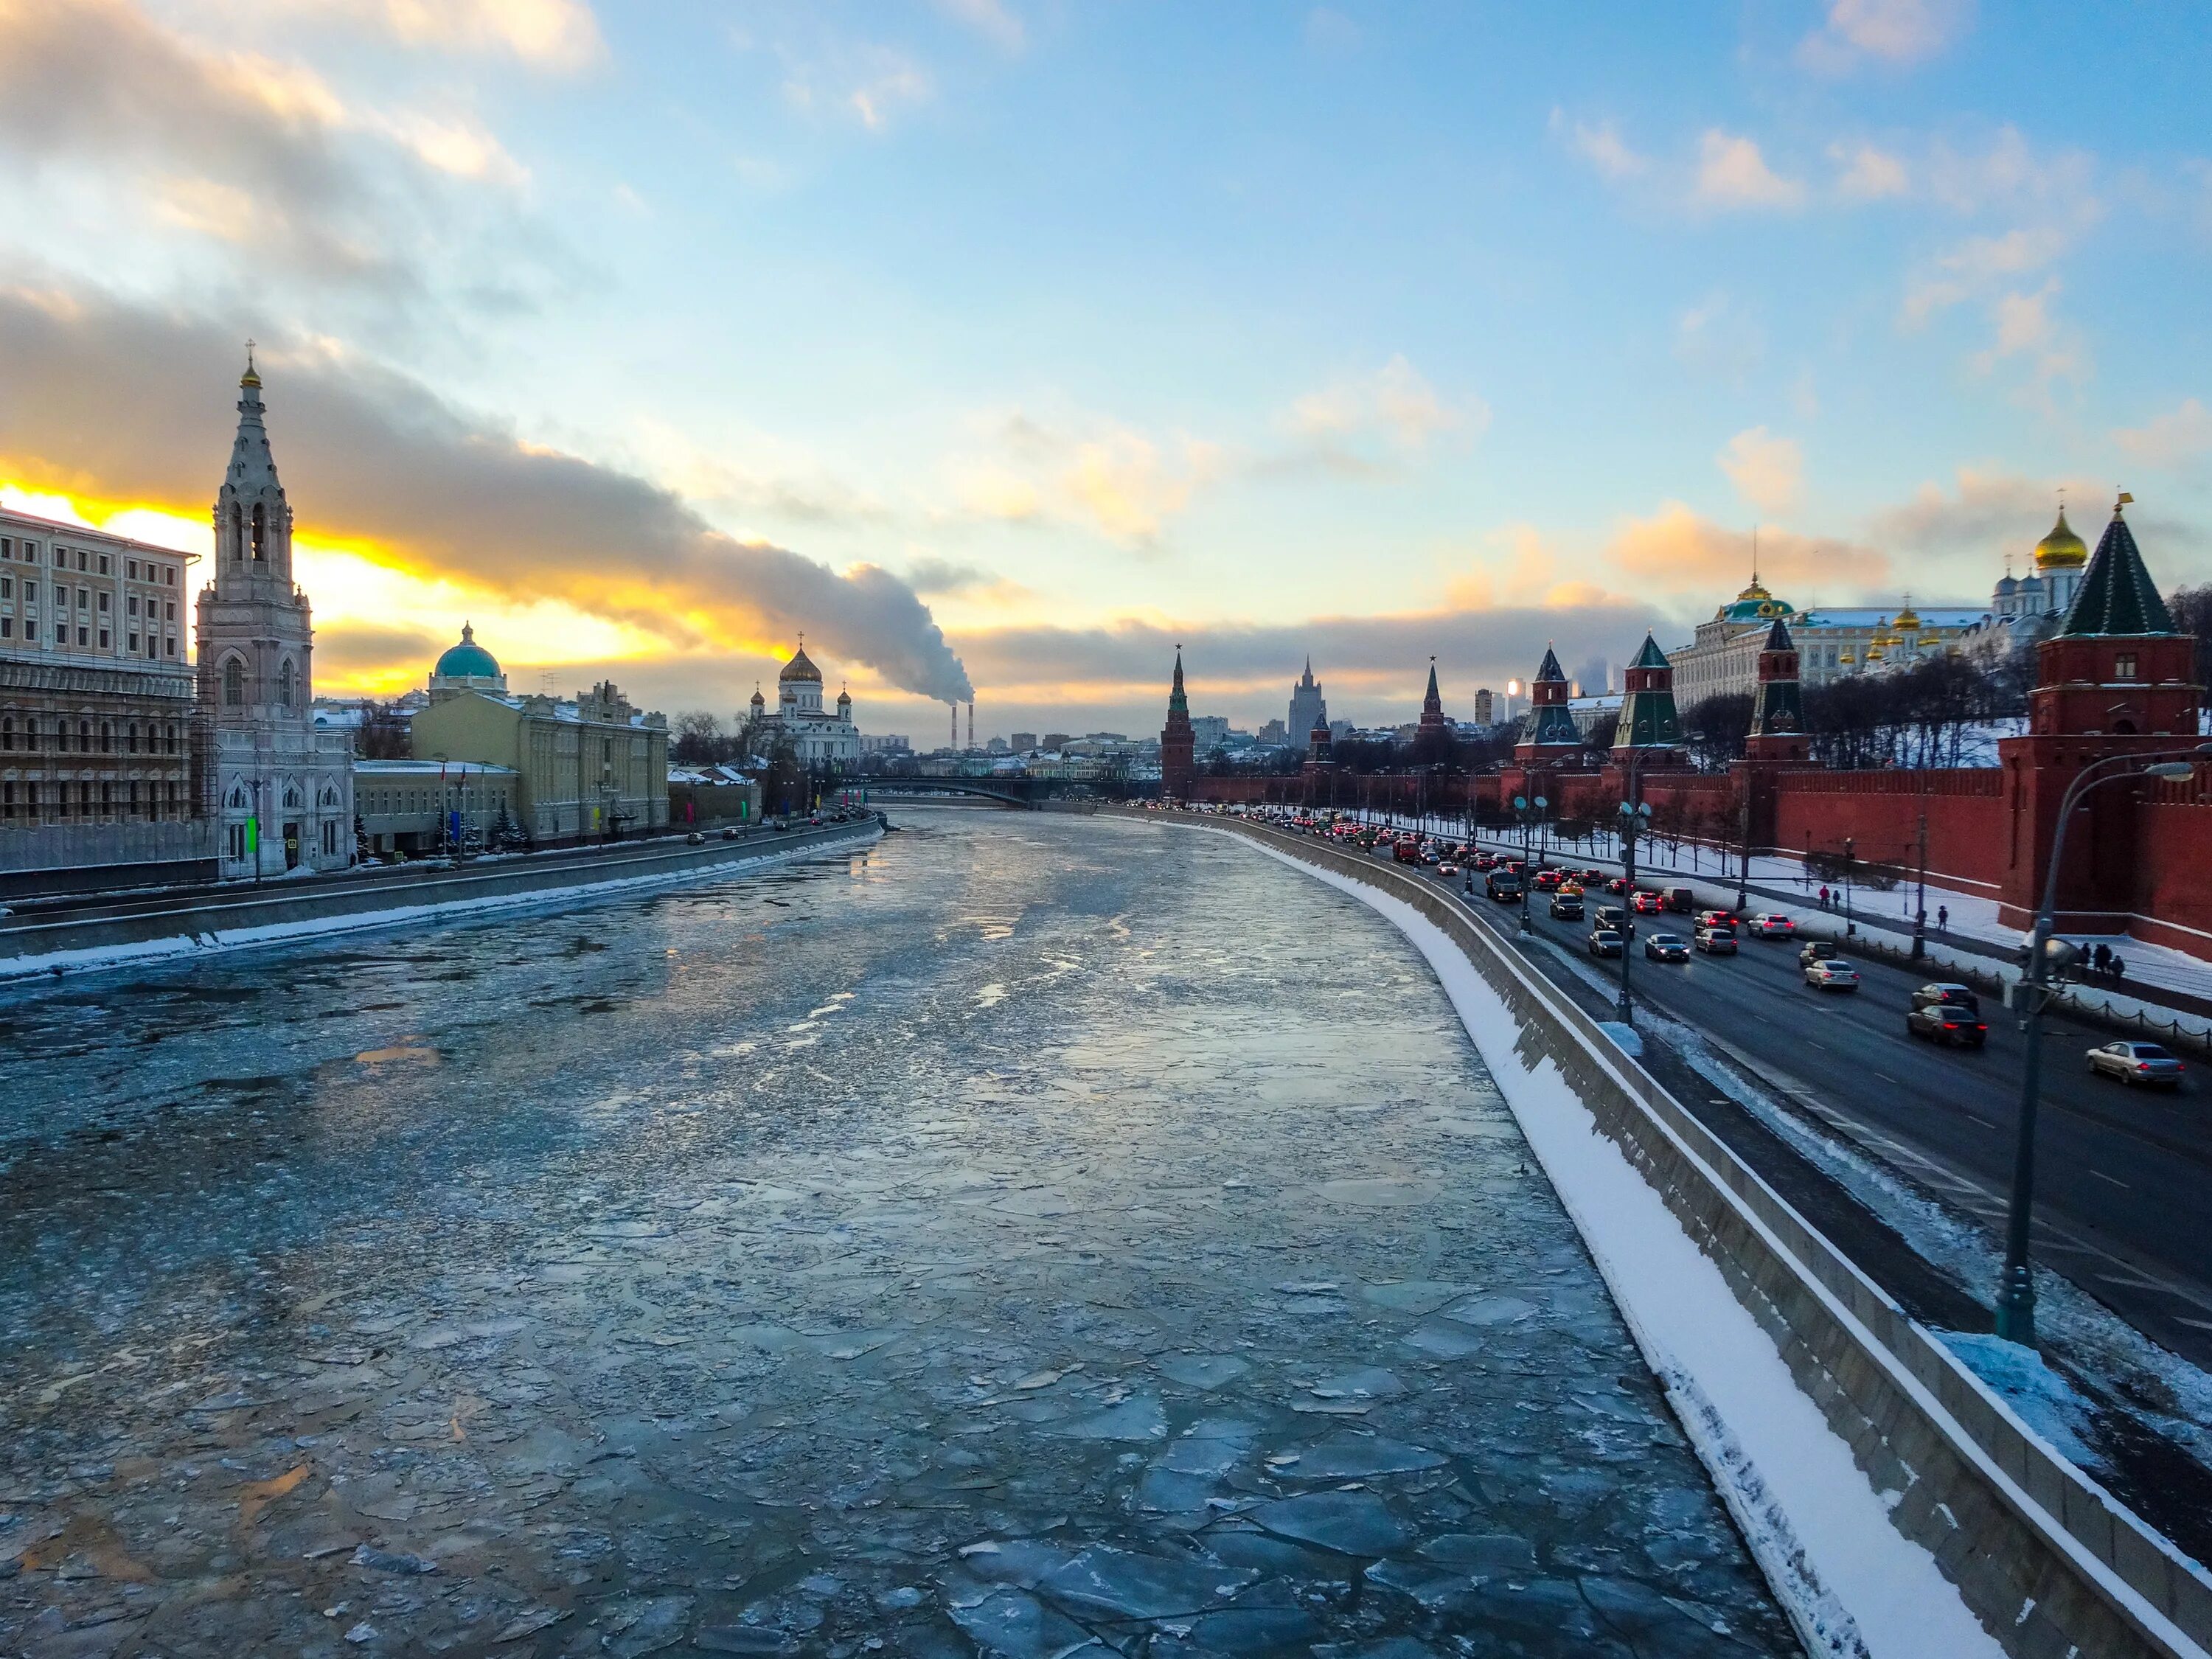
{"points": [[1824, 895], [1942, 918], [2102, 958], [2119, 969]]}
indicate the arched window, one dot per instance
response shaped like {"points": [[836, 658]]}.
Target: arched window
{"points": [[84, 737], [237, 532], [260, 531], [131, 736], [233, 684], [291, 798], [285, 683], [106, 737], [7, 734]]}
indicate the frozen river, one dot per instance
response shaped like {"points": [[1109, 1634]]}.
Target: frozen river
{"points": [[1036, 1232]]}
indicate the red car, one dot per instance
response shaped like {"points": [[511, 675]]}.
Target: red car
{"points": [[1547, 881]]}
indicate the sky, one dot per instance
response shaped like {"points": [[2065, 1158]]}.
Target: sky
{"points": [[1000, 346]]}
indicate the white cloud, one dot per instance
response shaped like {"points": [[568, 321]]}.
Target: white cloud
{"points": [[1601, 146], [2028, 329], [1864, 173], [991, 18], [548, 34], [1733, 173], [1978, 265], [1767, 471], [1331, 33], [2169, 440], [1396, 401], [1895, 32]]}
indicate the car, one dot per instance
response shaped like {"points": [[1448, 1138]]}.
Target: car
{"points": [[1592, 874], [1407, 850], [1604, 942], [1831, 974], [1447, 870], [1716, 941], [1947, 1013], [1567, 907], [1485, 861], [730, 833], [1646, 903], [2136, 1064], [1503, 885], [1571, 888], [1547, 881], [815, 818], [1667, 947], [1617, 885], [1717, 919], [1613, 917], [1816, 950], [696, 838], [1681, 900], [1773, 925]]}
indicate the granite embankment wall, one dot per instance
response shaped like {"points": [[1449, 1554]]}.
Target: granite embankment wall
{"points": [[2047, 1559], [85, 936]]}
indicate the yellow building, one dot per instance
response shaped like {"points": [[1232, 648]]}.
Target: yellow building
{"points": [[587, 767]]}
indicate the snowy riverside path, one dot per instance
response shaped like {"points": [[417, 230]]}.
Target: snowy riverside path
{"points": [[1025, 1233]]}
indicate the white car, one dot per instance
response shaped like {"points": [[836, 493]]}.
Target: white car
{"points": [[2136, 1063], [1828, 973], [1773, 925]]}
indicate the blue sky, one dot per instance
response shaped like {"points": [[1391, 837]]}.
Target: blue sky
{"points": [[1088, 328]]}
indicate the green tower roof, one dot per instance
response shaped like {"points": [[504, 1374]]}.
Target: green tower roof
{"points": [[2116, 595]]}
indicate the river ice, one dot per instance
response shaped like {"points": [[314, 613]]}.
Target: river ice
{"points": [[1029, 1238]]}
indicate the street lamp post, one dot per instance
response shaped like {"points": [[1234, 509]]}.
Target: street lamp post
{"points": [[1920, 910], [1743, 879], [1634, 814], [1531, 812], [1851, 863], [2016, 1288]]}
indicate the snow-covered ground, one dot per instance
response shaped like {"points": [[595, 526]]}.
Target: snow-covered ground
{"points": [[1853, 1581], [96, 956]]}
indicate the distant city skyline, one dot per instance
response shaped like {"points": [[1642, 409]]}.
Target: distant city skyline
{"points": [[999, 346]]}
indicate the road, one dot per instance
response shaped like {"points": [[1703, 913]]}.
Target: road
{"points": [[2120, 1172]]}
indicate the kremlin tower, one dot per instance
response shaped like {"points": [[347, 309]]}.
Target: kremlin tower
{"points": [[1178, 743]]}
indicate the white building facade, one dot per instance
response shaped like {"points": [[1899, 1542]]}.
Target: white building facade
{"points": [[815, 733], [281, 790]]}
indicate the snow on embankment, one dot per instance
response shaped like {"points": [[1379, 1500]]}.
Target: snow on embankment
{"points": [[85, 959], [1853, 1581]]}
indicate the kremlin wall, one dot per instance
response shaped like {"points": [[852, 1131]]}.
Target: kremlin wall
{"points": [[2113, 678]]}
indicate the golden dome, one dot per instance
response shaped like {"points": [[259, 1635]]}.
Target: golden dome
{"points": [[1907, 619], [2062, 549]]}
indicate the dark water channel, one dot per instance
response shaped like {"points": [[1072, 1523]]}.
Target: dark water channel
{"points": [[1037, 1236]]}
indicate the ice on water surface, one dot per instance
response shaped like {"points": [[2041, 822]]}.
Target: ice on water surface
{"points": [[1113, 1269]]}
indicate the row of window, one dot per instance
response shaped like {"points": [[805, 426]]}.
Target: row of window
{"points": [[59, 635], [381, 801], [93, 738], [21, 802], [89, 560], [90, 599]]}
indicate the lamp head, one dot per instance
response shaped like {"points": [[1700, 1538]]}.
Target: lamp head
{"points": [[2059, 953], [1520, 802], [1541, 803], [2170, 770]]}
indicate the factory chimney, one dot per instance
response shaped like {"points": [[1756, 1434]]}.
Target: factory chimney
{"points": [[971, 723]]}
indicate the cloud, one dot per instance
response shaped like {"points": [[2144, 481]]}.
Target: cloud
{"points": [[1100, 473], [2171, 439], [1717, 336], [823, 72], [1767, 471], [547, 34], [991, 18], [1677, 551], [1985, 512], [2027, 329], [1396, 403], [1899, 33], [131, 404], [1601, 146], [1976, 266], [1733, 174], [352, 649], [261, 159], [1864, 173]]}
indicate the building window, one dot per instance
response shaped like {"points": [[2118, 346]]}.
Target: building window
{"points": [[103, 598], [238, 843], [83, 636], [171, 614], [7, 732], [103, 564], [173, 648], [260, 531], [2124, 665], [106, 737], [84, 737], [134, 645], [285, 683], [233, 684], [104, 640], [130, 569]]}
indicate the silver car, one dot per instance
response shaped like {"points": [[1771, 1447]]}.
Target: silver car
{"points": [[2136, 1063]]}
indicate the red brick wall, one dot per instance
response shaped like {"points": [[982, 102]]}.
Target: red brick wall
{"points": [[2174, 865], [1880, 812]]}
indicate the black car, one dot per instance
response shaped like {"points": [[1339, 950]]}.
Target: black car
{"points": [[1667, 947], [1615, 919], [1604, 942], [1947, 1013], [1567, 907]]}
